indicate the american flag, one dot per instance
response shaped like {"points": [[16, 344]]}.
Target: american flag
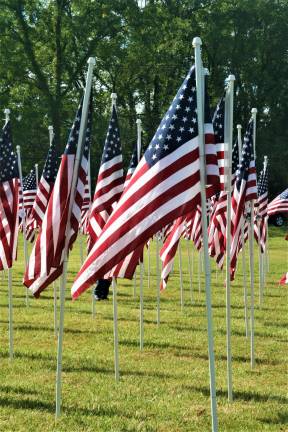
{"points": [[284, 279], [85, 210], [132, 165], [260, 221], [29, 191], [164, 186], [218, 125], [44, 190], [196, 228], [46, 260], [245, 189], [218, 221], [27, 200], [279, 204], [110, 180], [169, 249], [9, 186]]}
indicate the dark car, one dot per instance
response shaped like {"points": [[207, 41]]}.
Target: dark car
{"points": [[278, 219]]}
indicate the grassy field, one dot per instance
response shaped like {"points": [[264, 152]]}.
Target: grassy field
{"points": [[166, 386]]}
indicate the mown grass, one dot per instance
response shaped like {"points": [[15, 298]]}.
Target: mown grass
{"points": [[166, 386]]}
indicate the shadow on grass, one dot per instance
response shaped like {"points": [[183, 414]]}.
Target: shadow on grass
{"points": [[17, 390], [280, 418], [245, 396]]}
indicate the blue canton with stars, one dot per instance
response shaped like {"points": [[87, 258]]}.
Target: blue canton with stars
{"points": [[246, 157], [51, 164], [235, 157], [134, 159], [262, 185], [112, 146], [8, 159], [179, 125], [284, 195], [29, 182], [218, 121], [71, 146]]}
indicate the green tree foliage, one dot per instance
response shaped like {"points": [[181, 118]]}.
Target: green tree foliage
{"points": [[142, 54]]}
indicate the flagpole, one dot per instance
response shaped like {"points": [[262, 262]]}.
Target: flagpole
{"points": [[91, 63], [158, 280], [265, 262], [93, 301], [115, 328], [199, 271], [51, 136], [10, 292], [141, 308], [24, 216], [252, 348], [115, 302], [239, 139], [148, 264], [181, 277], [200, 114], [190, 270], [10, 300], [228, 132]]}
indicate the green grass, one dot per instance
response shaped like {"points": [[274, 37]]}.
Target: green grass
{"points": [[163, 388]]}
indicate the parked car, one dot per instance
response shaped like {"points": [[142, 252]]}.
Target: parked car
{"points": [[278, 219]]}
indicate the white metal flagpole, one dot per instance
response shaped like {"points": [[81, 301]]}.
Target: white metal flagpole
{"points": [[37, 174], [181, 277], [190, 269], [91, 63], [251, 233], [158, 280], [199, 271], [239, 139], [10, 292], [200, 114], [115, 327], [228, 137], [51, 136], [115, 302], [24, 217]]}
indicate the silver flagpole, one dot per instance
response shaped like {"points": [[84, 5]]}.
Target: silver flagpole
{"points": [[24, 216], [115, 302], [115, 327], [10, 291], [141, 311], [200, 114], [141, 308], [51, 136], [93, 301], [265, 269], [190, 270], [228, 133], [239, 127], [199, 271], [181, 277], [91, 63], [158, 280], [252, 348]]}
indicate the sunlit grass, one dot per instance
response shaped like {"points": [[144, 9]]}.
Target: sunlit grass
{"points": [[163, 388]]}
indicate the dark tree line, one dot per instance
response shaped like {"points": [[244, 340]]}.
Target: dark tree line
{"points": [[142, 54]]}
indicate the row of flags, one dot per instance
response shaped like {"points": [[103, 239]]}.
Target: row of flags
{"points": [[159, 196]]}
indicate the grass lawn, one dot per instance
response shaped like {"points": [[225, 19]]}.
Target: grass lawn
{"points": [[166, 386]]}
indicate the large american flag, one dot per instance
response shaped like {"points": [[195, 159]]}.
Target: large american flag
{"points": [[164, 186], [46, 260], [279, 204], [9, 187], [44, 190], [110, 180], [245, 189], [260, 221]]}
